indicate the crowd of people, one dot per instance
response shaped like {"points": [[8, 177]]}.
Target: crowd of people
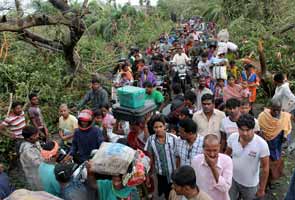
{"points": [[204, 142]]}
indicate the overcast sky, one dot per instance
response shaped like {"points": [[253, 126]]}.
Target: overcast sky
{"points": [[6, 3]]}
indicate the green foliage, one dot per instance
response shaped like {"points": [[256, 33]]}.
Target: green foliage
{"points": [[28, 69], [6, 150], [43, 7]]}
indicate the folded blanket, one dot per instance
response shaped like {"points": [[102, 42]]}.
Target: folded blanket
{"points": [[271, 126]]}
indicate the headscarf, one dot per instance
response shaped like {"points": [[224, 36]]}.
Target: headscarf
{"points": [[48, 154], [149, 77]]}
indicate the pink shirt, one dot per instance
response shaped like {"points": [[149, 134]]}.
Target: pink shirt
{"points": [[245, 93], [109, 120], [205, 178]]}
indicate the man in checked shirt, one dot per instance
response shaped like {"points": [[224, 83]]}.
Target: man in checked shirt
{"points": [[191, 144]]}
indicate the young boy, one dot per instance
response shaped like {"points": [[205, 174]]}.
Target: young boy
{"points": [[162, 147], [67, 124], [36, 116], [218, 91], [233, 69], [245, 108], [245, 90]]}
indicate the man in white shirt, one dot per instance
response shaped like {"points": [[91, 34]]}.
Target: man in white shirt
{"points": [[208, 119], [229, 124], [180, 58], [283, 95], [248, 151]]}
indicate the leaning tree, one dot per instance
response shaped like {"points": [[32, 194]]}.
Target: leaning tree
{"points": [[69, 17]]}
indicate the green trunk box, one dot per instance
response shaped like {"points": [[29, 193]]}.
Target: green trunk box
{"points": [[131, 97]]}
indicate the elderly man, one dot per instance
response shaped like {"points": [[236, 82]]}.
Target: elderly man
{"points": [[275, 127]]}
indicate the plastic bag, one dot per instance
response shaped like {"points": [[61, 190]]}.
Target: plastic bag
{"points": [[23, 194], [223, 35], [219, 72], [232, 46], [113, 158]]}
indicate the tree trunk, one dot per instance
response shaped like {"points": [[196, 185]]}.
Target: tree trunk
{"points": [[67, 17]]}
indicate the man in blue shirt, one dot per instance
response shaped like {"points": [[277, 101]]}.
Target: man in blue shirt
{"points": [[86, 138], [5, 187]]}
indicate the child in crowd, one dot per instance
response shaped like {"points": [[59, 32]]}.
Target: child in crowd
{"points": [[162, 147], [218, 91], [245, 90], [252, 79], [218, 94], [185, 114], [108, 120], [189, 101], [233, 69], [124, 80], [97, 122], [245, 108], [173, 129]]}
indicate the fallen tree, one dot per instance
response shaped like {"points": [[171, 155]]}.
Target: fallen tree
{"points": [[68, 17]]}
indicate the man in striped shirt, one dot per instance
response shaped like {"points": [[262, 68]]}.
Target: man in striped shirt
{"points": [[162, 147], [15, 122]]}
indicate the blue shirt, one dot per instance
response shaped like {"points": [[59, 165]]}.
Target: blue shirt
{"points": [[47, 177], [291, 192], [86, 141], [5, 187], [74, 190]]}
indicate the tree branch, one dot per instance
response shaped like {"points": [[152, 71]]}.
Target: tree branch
{"points": [[37, 39], [61, 5], [73, 19], [84, 9], [32, 21], [285, 29], [40, 45], [19, 9]]}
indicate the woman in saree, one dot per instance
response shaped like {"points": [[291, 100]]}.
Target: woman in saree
{"points": [[275, 128], [147, 75], [252, 78], [232, 90]]}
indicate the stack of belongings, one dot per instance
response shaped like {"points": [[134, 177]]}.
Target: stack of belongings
{"points": [[219, 68], [119, 159], [224, 45], [132, 104]]}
